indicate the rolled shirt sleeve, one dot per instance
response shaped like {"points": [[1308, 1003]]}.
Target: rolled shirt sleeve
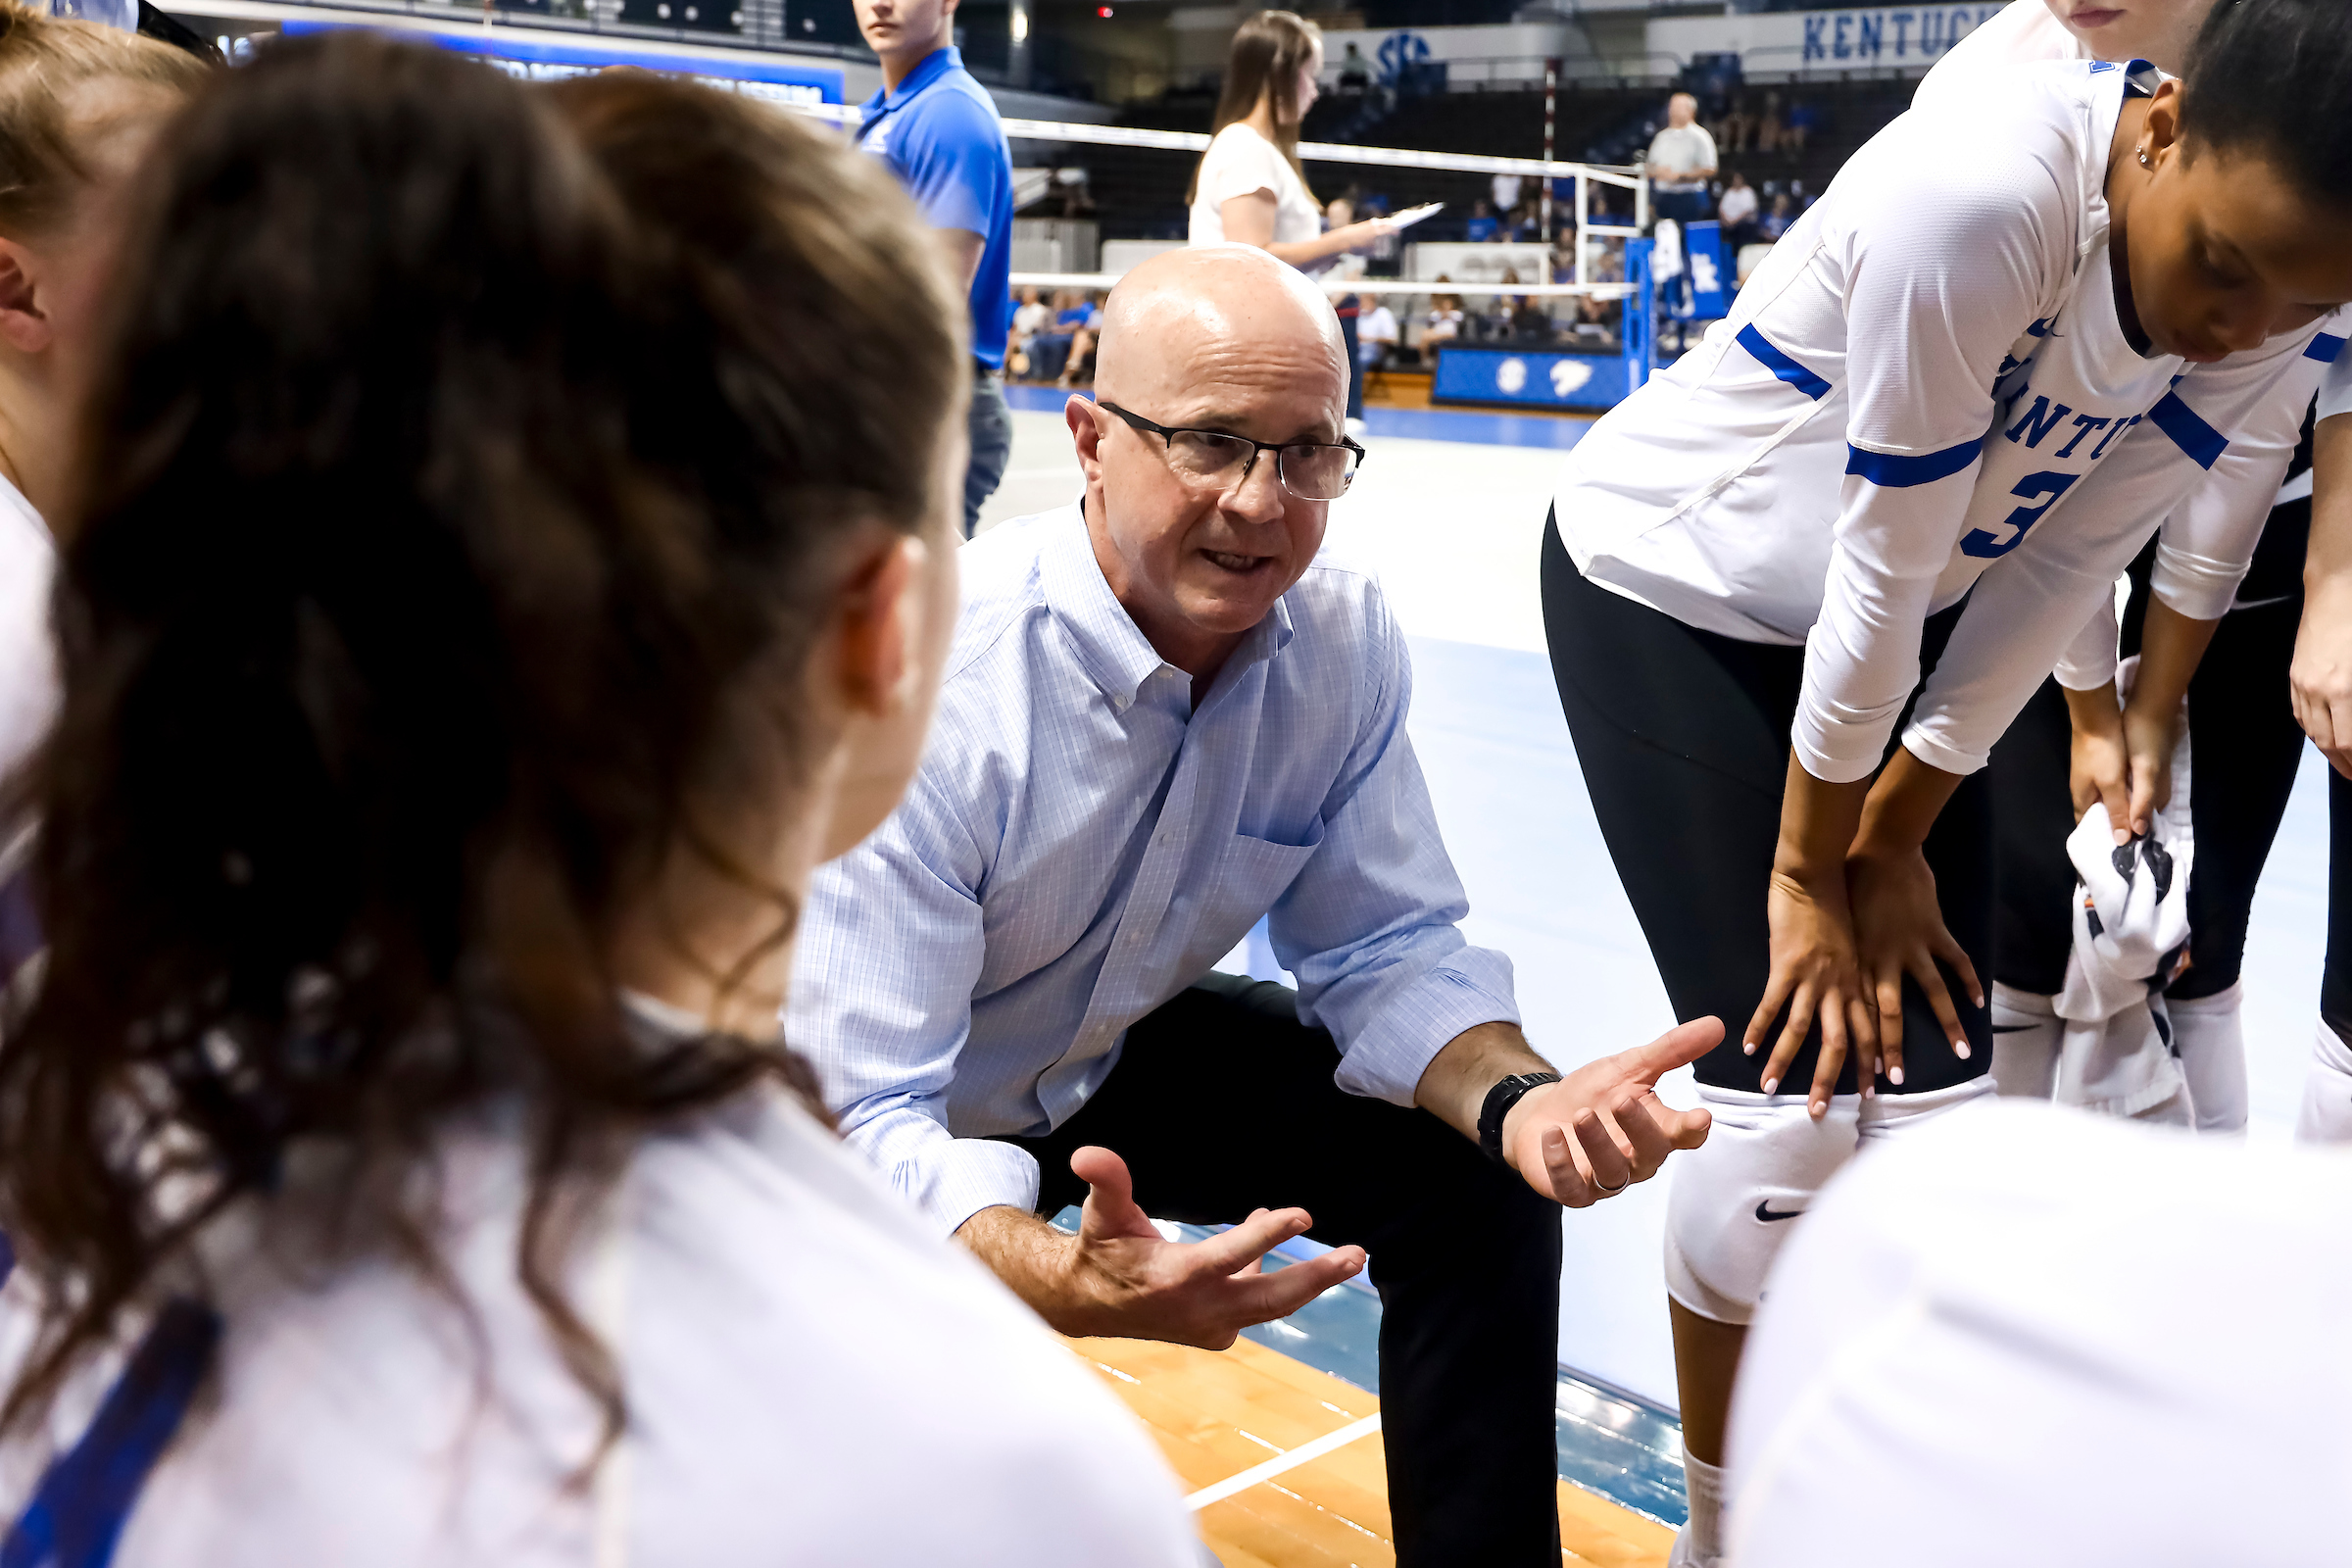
{"points": [[1370, 928]]}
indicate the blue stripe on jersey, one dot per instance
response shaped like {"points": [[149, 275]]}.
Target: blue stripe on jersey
{"points": [[1890, 472], [2324, 348], [1781, 364], [2191, 434]]}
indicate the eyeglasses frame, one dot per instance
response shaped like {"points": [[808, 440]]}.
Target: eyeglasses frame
{"points": [[1167, 433]]}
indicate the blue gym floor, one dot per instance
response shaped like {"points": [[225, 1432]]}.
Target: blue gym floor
{"points": [[1449, 510]]}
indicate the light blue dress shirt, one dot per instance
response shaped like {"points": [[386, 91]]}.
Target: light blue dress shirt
{"points": [[1080, 845]]}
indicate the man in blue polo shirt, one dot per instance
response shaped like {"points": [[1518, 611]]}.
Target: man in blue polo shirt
{"points": [[938, 130]]}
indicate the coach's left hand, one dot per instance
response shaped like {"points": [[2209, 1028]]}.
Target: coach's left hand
{"points": [[1591, 1135], [1602, 1127]]}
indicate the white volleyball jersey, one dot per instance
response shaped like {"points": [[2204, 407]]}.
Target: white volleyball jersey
{"points": [[1858, 444], [2232, 482]]}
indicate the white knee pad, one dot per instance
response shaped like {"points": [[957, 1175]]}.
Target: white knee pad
{"points": [[1736, 1197], [2209, 1036], [2327, 1114], [2026, 1031]]}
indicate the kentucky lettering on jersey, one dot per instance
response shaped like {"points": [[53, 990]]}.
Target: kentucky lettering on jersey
{"points": [[1910, 393]]}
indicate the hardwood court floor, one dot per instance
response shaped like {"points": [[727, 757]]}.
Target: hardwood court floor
{"points": [[1217, 1413]]}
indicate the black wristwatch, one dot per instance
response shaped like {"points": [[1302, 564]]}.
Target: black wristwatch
{"points": [[1500, 1101]]}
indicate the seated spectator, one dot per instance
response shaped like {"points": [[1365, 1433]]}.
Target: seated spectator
{"points": [[1775, 222], [1167, 719], [1339, 214], [1482, 227], [1682, 160], [1445, 321], [1494, 320], [1530, 322], [1031, 315], [1377, 337], [404, 1081], [1049, 344], [1737, 210], [1595, 319], [1768, 125], [1085, 324], [1802, 119], [1739, 124]]}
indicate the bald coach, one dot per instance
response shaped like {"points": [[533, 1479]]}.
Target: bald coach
{"points": [[1166, 716]]}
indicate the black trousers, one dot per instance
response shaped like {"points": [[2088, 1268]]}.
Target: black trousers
{"points": [[1683, 737], [2245, 748], [1223, 1102]]}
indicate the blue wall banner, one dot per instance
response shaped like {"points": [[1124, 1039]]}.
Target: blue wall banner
{"points": [[545, 55], [1544, 379]]}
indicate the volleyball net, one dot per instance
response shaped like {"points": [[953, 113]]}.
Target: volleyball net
{"points": [[1477, 284]]}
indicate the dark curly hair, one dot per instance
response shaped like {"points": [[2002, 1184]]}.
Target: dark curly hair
{"points": [[453, 522]]}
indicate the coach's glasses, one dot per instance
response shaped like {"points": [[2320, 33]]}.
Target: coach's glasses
{"points": [[1312, 471]]}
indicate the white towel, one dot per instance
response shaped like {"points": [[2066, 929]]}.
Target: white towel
{"points": [[2131, 939]]}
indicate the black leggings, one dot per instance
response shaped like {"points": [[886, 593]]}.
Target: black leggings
{"points": [[2245, 748], [1683, 736]]}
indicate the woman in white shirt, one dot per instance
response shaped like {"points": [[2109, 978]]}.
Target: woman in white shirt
{"points": [[1841, 520], [478, 629], [1444, 322], [1248, 188]]}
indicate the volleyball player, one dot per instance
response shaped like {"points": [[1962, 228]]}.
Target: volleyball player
{"points": [[1868, 459], [2321, 680], [77, 103], [2220, 641], [488, 594]]}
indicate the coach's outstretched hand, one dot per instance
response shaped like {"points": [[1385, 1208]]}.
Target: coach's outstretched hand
{"points": [[1589, 1136], [1602, 1127], [1118, 1276]]}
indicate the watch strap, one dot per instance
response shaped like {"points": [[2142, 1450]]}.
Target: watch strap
{"points": [[1500, 1101]]}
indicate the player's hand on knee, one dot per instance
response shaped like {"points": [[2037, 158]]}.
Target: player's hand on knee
{"points": [[1602, 1127], [1127, 1280], [1899, 930], [1817, 975]]}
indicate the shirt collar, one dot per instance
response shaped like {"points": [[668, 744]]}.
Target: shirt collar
{"points": [[1117, 657], [933, 65]]}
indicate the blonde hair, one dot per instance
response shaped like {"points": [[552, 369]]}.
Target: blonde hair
{"points": [[44, 63]]}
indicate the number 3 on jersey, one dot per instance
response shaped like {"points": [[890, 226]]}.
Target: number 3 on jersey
{"points": [[2043, 487]]}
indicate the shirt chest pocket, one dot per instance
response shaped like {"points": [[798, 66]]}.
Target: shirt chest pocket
{"points": [[1255, 873]]}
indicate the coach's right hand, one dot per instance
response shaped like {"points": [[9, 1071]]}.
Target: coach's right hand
{"points": [[1119, 1277]]}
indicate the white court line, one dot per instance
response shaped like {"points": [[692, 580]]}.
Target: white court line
{"points": [[1280, 1462]]}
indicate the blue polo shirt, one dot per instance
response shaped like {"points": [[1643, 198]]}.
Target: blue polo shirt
{"points": [[940, 134]]}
